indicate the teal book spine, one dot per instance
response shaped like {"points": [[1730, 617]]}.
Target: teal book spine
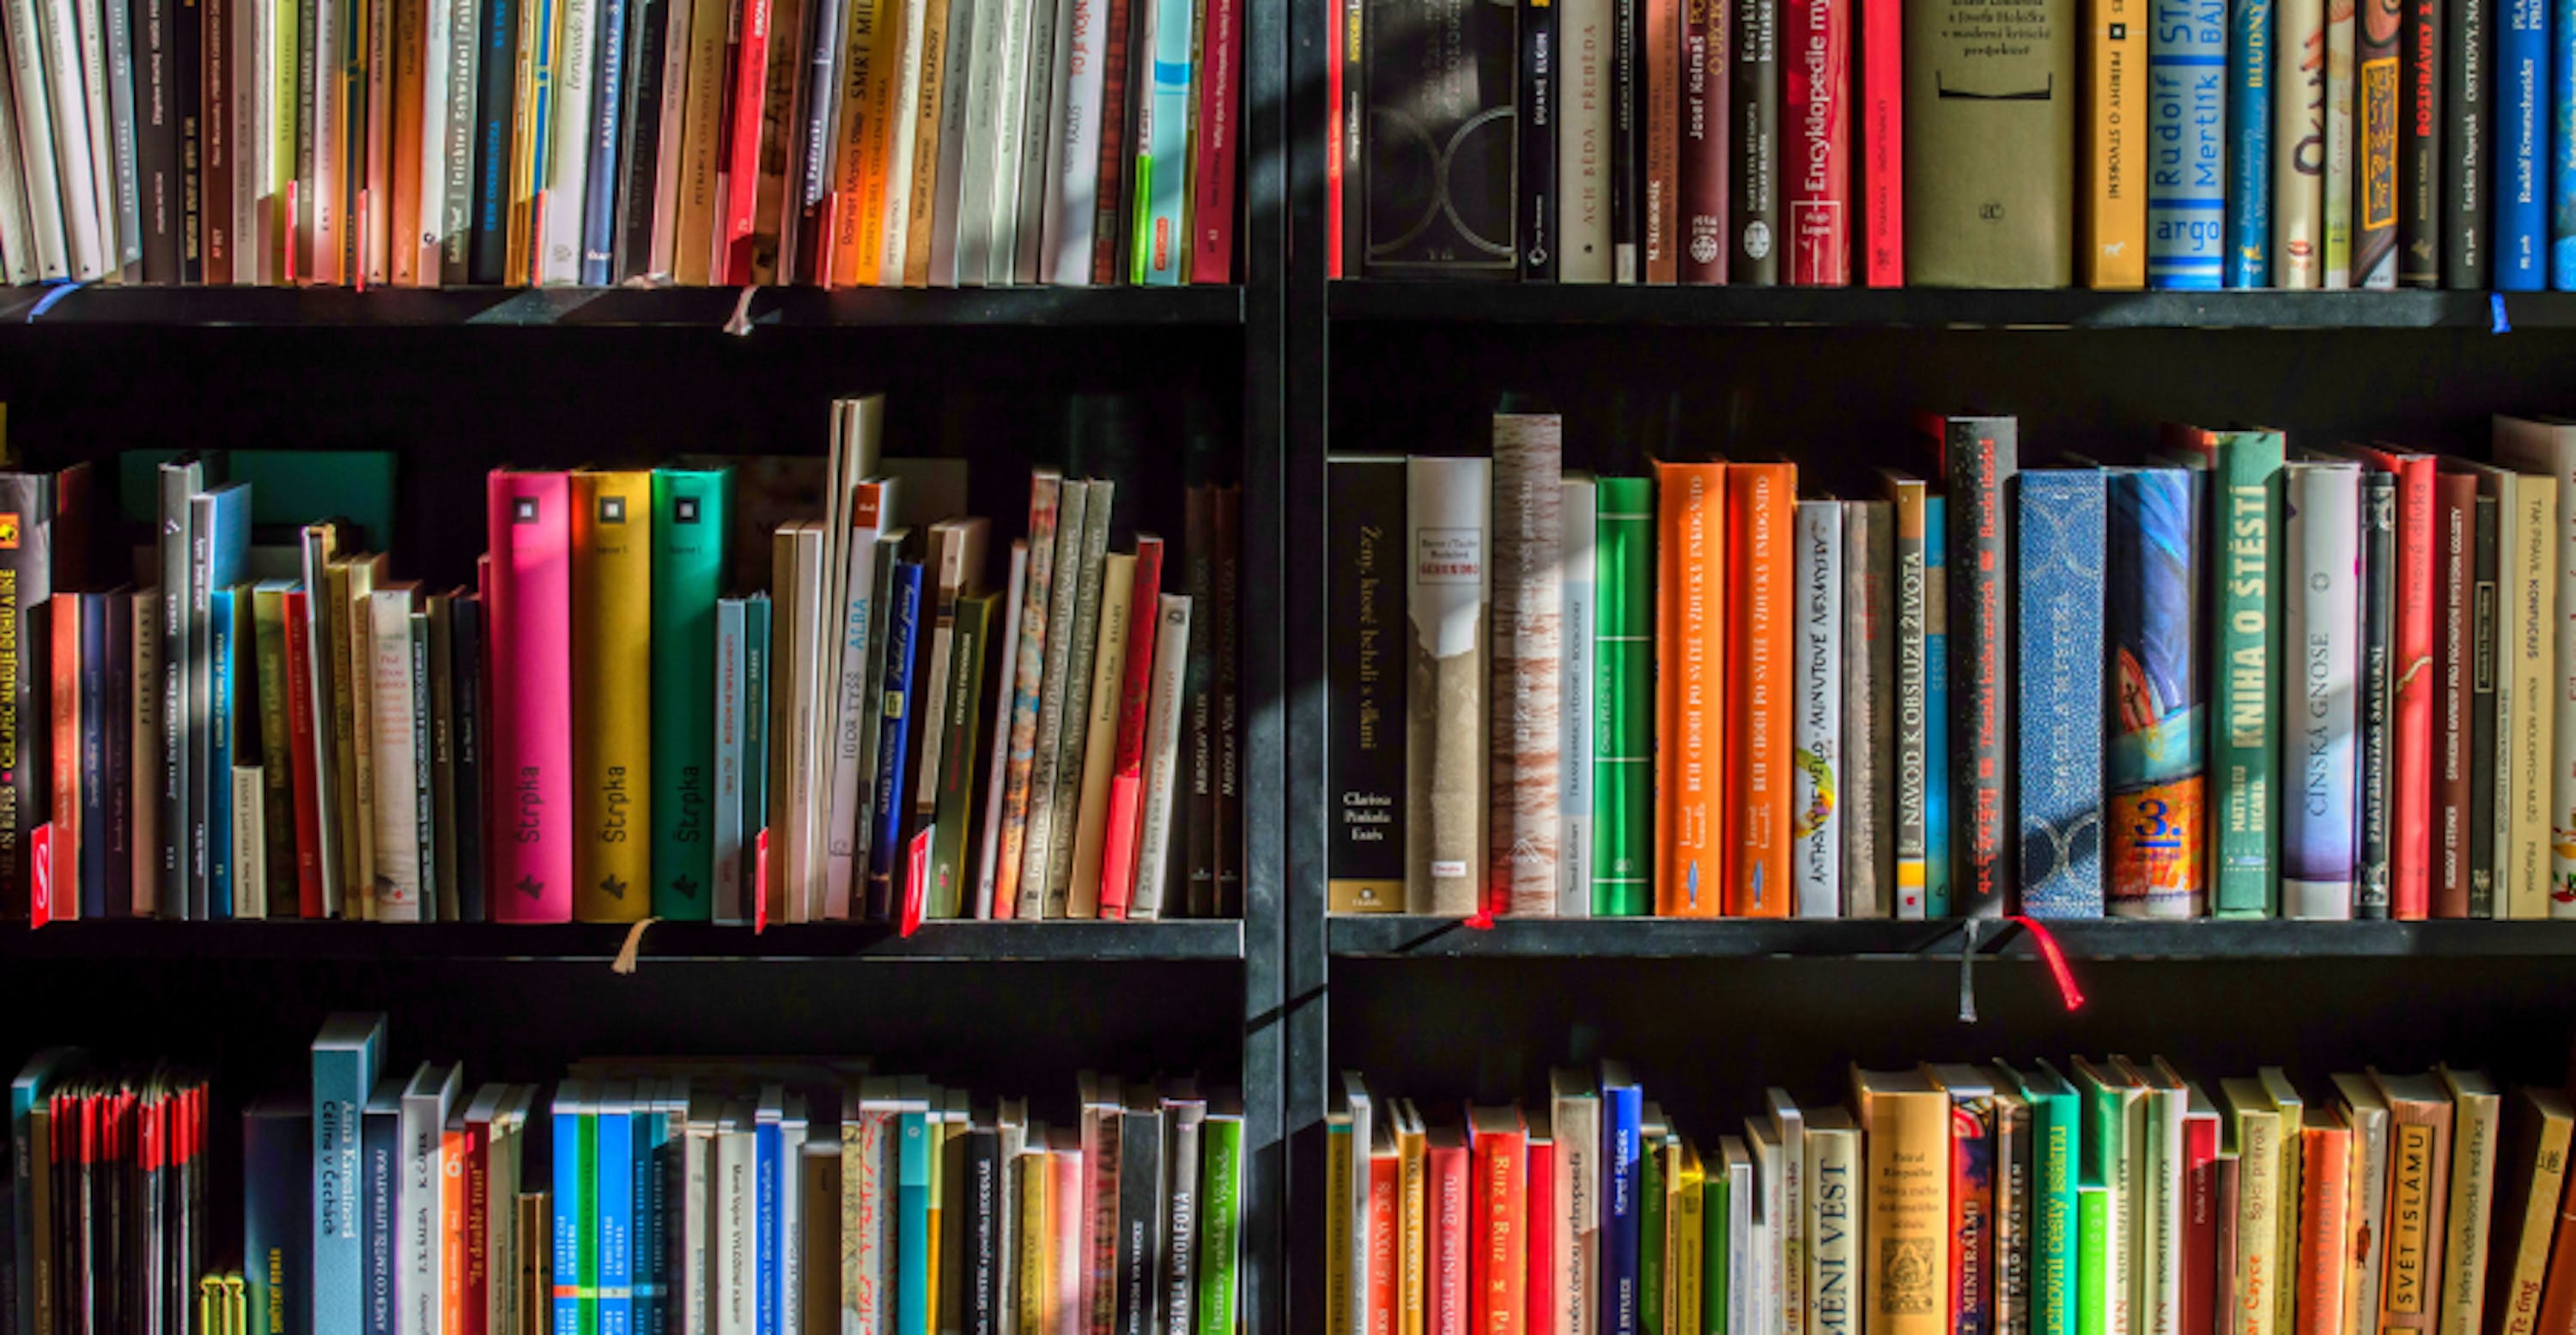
{"points": [[1936, 708], [692, 509], [755, 743], [2058, 1127], [1623, 782], [2245, 762], [1162, 170], [2093, 1262], [912, 1224]]}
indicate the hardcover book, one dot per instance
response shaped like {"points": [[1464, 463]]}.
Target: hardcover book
{"points": [[1913, 718], [2468, 74], [1440, 145], [1526, 841], [2156, 813], [1816, 668], [1447, 530], [2548, 448], [2377, 115], [1869, 720], [2374, 795], [1990, 147], [2249, 144], [2062, 560], [612, 657], [2186, 157], [1627, 807], [1816, 189], [692, 514], [531, 673], [1905, 1130], [1578, 529], [1761, 505], [2522, 138], [2114, 219], [1978, 456], [2296, 101], [2245, 481], [1584, 52], [1691, 725], [2320, 632], [1708, 145], [2421, 172], [1753, 92], [2336, 266]]}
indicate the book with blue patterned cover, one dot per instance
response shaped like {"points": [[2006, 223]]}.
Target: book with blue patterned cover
{"points": [[2187, 144], [2061, 529], [2156, 809]]}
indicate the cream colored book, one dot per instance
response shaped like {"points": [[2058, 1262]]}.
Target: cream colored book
{"points": [[1100, 738], [2366, 1233], [2535, 1167], [1833, 1223], [1162, 758], [2285, 1100], [364, 571], [397, 828], [2252, 1129], [2476, 1110], [250, 842]]}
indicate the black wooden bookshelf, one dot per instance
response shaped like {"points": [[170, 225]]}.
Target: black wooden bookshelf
{"points": [[1189, 941], [1400, 937], [1946, 308], [672, 308]]}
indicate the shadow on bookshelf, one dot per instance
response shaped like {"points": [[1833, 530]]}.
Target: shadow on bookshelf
{"points": [[664, 942]]}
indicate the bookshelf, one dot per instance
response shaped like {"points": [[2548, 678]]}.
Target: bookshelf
{"points": [[674, 308]]}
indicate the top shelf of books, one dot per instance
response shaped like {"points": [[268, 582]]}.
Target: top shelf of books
{"points": [[1946, 308], [709, 307]]}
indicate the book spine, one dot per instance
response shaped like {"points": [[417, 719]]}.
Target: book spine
{"points": [[2411, 692], [1627, 143], [1869, 718], [2420, 168], [1936, 708], [1815, 664], [2377, 95], [1154, 860], [1537, 112], [90, 741], [612, 594], [2529, 651], [2562, 157], [2324, 1203], [2419, 1137], [1911, 759], [1365, 861], [1971, 1231], [26, 581], [1979, 453], [398, 888], [1081, 663], [143, 159], [1817, 193], [1111, 203], [1753, 84], [470, 704], [277, 781], [2321, 637], [1214, 142], [2455, 557], [2246, 752], [1906, 1203], [1579, 532], [1162, 233], [2062, 531], [690, 525], [1448, 523], [308, 796], [178, 481], [2249, 144], [637, 149], [1880, 124], [1619, 879], [1661, 115], [2115, 218], [1585, 36], [1525, 842], [2057, 1151], [2470, 1210], [952, 814], [1686, 854], [893, 744], [2487, 782], [531, 618], [749, 99], [2335, 259], [2186, 163], [463, 76], [2468, 69], [1621, 1208], [2377, 691], [1761, 505], [2157, 814], [1063, 644], [1707, 153]]}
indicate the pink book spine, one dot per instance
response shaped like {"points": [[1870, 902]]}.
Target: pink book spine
{"points": [[1882, 143], [1127, 778], [1066, 1199], [531, 652], [742, 181], [1212, 213], [1815, 116]]}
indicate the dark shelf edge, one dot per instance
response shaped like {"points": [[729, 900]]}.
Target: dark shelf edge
{"points": [[1404, 937], [709, 308], [665, 942], [1365, 301]]}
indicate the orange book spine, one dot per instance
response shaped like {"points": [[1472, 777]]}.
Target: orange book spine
{"points": [[1383, 1173], [404, 247], [67, 801], [1760, 499], [1496, 1275], [1690, 720], [2558, 1292], [2325, 1205], [451, 1200]]}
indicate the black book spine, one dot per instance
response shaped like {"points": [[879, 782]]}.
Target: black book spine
{"points": [[1140, 1220], [178, 480], [1754, 84], [465, 687], [1229, 703], [116, 698], [2486, 556], [156, 134], [495, 111], [1198, 691], [26, 581], [2378, 620], [93, 756], [1536, 119], [187, 86], [1364, 701], [2421, 170], [984, 1232], [2467, 58], [1979, 459], [1627, 141], [641, 130], [423, 774]]}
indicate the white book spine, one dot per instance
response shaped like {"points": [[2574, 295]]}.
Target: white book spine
{"points": [[17, 240], [734, 1289], [2160, 1244], [1070, 507], [902, 134], [1790, 1233], [1525, 765], [727, 902], [2321, 629], [1578, 521], [1162, 757], [34, 134], [1010, 125], [1743, 1210], [974, 220], [1037, 101], [1577, 1123], [1816, 666], [2336, 270], [437, 96], [418, 1239], [568, 154], [1771, 1185], [75, 162], [397, 850], [1831, 1165], [999, 754], [956, 83], [456, 166], [694, 1303], [1583, 141], [850, 718], [2298, 129], [674, 112], [1073, 143], [791, 1223], [2548, 448], [1449, 533]]}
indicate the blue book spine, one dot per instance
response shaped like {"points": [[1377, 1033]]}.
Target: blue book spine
{"points": [[277, 1215], [765, 1232], [912, 1226], [608, 96], [2523, 81], [1623, 1117], [1163, 251], [2187, 144], [2156, 817], [384, 1175], [650, 1284], [219, 722], [617, 1181], [2561, 41], [1936, 708], [2249, 145], [94, 760], [567, 1213], [341, 1076], [886, 852], [2060, 530]]}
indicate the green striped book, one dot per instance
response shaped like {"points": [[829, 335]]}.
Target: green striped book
{"points": [[2057, 1136], [690, 512], [2245, 737], [1623, 779]]}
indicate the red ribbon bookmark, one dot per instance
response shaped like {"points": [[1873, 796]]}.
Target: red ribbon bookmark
{"points": [[2055, 958]]}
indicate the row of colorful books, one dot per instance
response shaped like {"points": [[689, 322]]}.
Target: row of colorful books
{"points": [[640, 1195], [881, 734], [897, 143], [2115, 1197], [2279, 143], [2239, 680]]}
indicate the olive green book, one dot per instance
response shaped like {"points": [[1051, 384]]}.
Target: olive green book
{"points": [[277, 776], [952, 821], [1623, 778], [1990, 145]]}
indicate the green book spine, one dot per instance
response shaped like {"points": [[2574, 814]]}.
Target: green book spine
{"points": [[277, 774], [1623, 784], [1220, 1223], [952, 821], [1715, 1256], [1650, 1238], [2248, 736], [691, 509], [585, 1209], [2058, 1123], [2093, 1263], [755, 738]]}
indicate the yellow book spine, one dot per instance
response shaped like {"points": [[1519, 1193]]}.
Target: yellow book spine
{"points": [[612, 659], [1689, 1239], [2258, 1208], [1337, 1227], [360, 666], [2464, 1251], [344, 739], [2115, 224], [2531, 604], [408, 108], [1037, 1240], [1907, 1142], [925, 141], [1413, 1231], [694, 246], [858, 222], [523, 142]]}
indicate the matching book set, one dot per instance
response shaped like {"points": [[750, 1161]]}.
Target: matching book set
{"points": [[618, 720], [427, 143], [1956, 143], [2113, 1198], [2242, 680], [641, 1196]]}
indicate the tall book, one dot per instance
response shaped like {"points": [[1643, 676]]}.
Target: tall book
{"points": [[2547, 447], [2114, 218], [955, 569], [1707, 147], [2297, 105], [2477, 1110], [1989, 133], [530, 537], [612, 656], [2186, 155], [1816, 190], [2422, 174], [1761, 503], [1432, 75], [1869, 720], [2411, 688], [2455, 517], [1753, 112], [1626, 701], [1100, 737], [691, 523], [1817, 759], [1978, 457], [2156, 816], [1365, 508], [347, 1055], [1528, 619], [2375, 795], [2377, 116], [2420, 1116], [2526, 791], [2062, 558], [398, 889], [1579, 527], [2249, 144], [1622, 1202], [219, 521], [1448, 526], [1905, 1130], [2320, 626], [1910, 694], [2363, 1251], [2532, 1168], [26, 581], [2468, 75]]}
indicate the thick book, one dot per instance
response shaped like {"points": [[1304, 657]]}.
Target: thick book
{"points": [[1364, 506], [2548, 448], [2532, 1167], [2294, 98], [1905, 1125], [277, 1213], [1978, 457], [2186, 154], [1098, 764], [1753, 93], [612, 602], [2378, 113], [2477, 1109], [1989, 132], [1620, 876], [2321, 550], [2420, 1117], [1817, 757], [1685, 740], [1525, 838], [2249, 144], [530, 536], [396, 874], [691, 523], [2245, 502], [1816, 187], [26, 582], [1869, 717], [1761, 500], [2114, 217], [1578, 527], [2156, 808], [1438, 173], [2467, 79], [2061, 531], [347, 1054], [1448, 528]]}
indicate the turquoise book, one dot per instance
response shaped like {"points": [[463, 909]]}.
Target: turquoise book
{"points": [[614, 1154], [692, 511], [346, 1056], [2057, 1145], [569, 1217], [913, 1152], [1936, 708], [2059, 529], [1163, 167], [1623, 713]]}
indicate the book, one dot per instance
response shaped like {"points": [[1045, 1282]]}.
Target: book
{"points": [[2469, 1212], [2335, 270], [1439, 198], [1978, 457], [1579, 533], [1657, 60], [1905, 1130], [2377, 115], [26, 582], [2156, 815], [531, 740], [1869, 723], [1627, 705], [347, 1053], [1100, 735], [2523, 84], [2549, 447], [2320, 633], [1445, 770], [2186, 157], [1621, 1202], [2363, 1251], [1703, 230], [1989, 149], [1761, 500], [2376, 793], [2249, 145], [2532, 1167], [2114, 220], [1816, 194], [2454, 543], [2467, 76], [2324, 1204], [612, 592], [1525, 838], [2062, 559], [692, 514], [1753, 85], [277, 1212], [2295, 98], [1818, 758], [397, 892], [2420, 1118]]}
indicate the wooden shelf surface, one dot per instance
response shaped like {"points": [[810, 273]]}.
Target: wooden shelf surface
{"points": [[1385, 302], [1400, 937], [991, 942], [711, 308]]}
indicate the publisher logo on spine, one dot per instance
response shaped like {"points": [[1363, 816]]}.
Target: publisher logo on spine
{"points": [[1449, 556], [612, 509], [523, 510]]}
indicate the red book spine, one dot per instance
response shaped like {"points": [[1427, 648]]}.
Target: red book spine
{"points": [[1446, 1304], [1333, 38], [1882, 142], [2410, 774], [2199, 1225], [1110, 203], [742, 151], [299, 726], [66, 755], [530, 606], [478, 1229], [1538, 1231], [1127, 777], [1705, 147], [1383, 1170], [1815, 168], [2454, 678], [1664, 56], [1495, 1274], [1212, 210]]}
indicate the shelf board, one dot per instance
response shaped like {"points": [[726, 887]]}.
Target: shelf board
{"points": [[990, 942], [709, 308], [1940, 308], [1399, 937]]}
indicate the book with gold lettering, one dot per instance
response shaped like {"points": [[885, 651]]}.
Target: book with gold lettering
{"points": [[2419, 1161], [1905, 1133]]}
